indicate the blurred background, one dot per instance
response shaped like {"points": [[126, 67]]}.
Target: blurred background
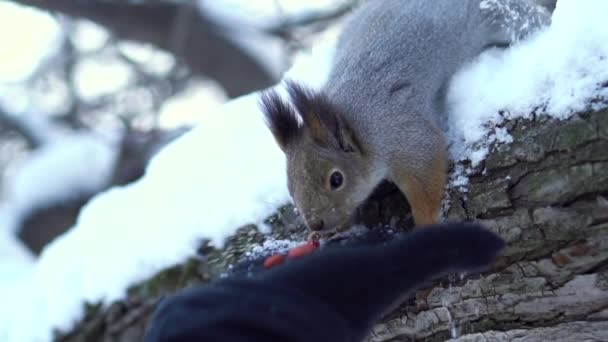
{"points": [[91, 90]]}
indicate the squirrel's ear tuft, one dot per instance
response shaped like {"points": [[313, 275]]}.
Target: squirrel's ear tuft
{"points": [[321, 119], [306, 102], [280, 117]]}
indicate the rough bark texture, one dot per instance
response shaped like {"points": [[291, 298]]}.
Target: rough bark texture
{"points": [[545, 194]]}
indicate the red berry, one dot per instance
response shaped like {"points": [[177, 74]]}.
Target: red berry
{"points": [[301, 251], [274, 260]]}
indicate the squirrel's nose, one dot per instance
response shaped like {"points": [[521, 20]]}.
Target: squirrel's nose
{"points": [[316, 225]]}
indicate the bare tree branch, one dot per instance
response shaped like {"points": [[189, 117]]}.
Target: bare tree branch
{"points": [[178, 28], [32, 136], [317, 17]]}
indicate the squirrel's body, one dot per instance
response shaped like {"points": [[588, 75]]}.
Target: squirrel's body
{"points": [[381, 114]]}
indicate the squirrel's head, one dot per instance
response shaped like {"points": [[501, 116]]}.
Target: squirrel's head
{"points": [[328, 176]]}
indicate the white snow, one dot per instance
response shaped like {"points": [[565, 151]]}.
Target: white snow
{"points": [[228, 172], [149, 58], [98, 76], [558, 69], [15, 258], [21, 55], [88, 36], [458, 178], [178, 110], [271, 246], [67, 165], [65, 168]]}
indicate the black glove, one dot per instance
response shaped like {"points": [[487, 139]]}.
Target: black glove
{"points": [[335, 294]]}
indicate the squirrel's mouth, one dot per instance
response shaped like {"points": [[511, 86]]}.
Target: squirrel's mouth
{"points": [[327, 224], [329, 231]]}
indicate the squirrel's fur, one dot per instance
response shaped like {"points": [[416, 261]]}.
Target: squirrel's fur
{"points": [[381, 114]]}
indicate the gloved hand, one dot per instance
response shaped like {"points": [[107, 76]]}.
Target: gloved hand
{"points": [[334, 294]]}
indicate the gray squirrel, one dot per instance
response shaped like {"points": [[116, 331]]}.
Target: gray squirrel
{"points": [[381, 114]]}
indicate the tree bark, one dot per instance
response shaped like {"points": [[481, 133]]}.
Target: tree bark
{"points": [[545, 193]]}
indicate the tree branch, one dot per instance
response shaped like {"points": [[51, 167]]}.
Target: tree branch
{"points": [[178, 28], [32, 136], [544, 194]]}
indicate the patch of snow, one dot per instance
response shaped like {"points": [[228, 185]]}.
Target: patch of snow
{"points": [[88, 36], [459, 178], [178, 110], [150, 58], [44, 97], [14, 256], [49, 96], [64, 168], [272, 246], [224, 174], [478, 155], [559, 69], [455, 329], [501, 135], [95, 77], [24, 46], [13, 99]]}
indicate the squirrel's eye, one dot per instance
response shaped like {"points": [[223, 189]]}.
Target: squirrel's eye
{"points": [[335, 180]]}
